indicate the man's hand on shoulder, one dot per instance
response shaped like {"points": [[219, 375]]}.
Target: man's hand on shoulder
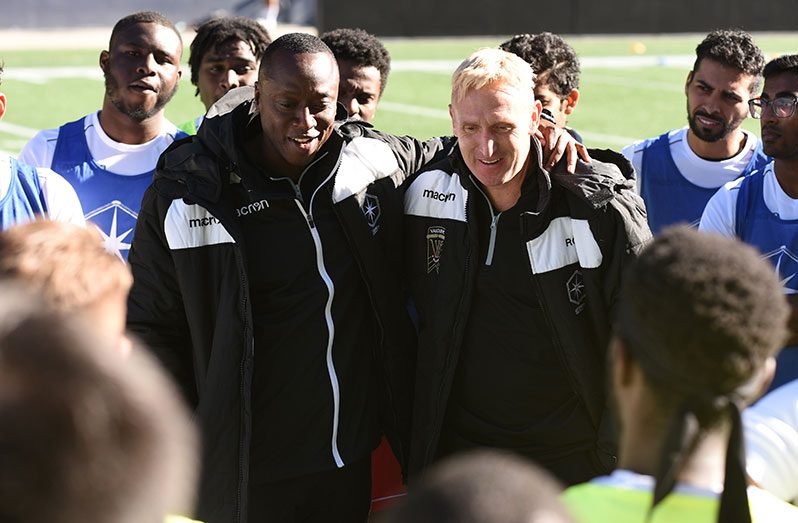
{"points": [[556, 143]]}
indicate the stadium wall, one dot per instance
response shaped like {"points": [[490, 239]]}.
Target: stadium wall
{"points": [[505, 17]]}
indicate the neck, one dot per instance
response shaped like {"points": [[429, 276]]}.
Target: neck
{"points": [[123, 129], [506, 195], [786, 171], [723, 149], [260, 152], [641, 450]]}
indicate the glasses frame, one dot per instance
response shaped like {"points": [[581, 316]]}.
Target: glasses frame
{"points": [[757, 106]]}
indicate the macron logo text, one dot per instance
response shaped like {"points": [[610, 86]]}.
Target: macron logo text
{"points": [[202, 222], [440, 196], [252, 208]]}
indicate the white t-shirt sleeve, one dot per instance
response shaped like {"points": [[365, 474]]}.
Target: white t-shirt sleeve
{"points": [[63, 204], [771, 440], [637, 161], [40, 149], [720, 212]]}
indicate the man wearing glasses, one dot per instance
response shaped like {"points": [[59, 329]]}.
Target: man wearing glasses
{"points": [[762, 209], [680, 170]]}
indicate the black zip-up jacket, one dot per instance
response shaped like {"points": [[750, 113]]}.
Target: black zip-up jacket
{"points": [[190, 300], [580, 234]]}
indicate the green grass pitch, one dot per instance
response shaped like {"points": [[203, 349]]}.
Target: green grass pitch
{"points": [[619, 103]]}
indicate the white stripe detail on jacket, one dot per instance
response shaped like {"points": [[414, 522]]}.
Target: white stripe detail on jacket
{"points": [[565, 241], [363, 162], [437, 194], [190, 226]]}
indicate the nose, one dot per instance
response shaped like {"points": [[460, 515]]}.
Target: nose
{"points": [[306, 118], [147, 64], [230, 79], [488, 145], [352, 107]]}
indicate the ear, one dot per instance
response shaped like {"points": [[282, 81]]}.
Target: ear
{"points": [[2, 105], [257, 95], [687, 82], [451, 115], [765, 378], [104, 56], [570, 101], [537, 107]]}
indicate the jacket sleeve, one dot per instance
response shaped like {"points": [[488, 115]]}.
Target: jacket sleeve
{"points": [[413, 154], [156, 313]]}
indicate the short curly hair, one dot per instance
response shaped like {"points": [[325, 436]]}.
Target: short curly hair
{"points": [[733, 48], [552, 59], [218, 31], [360, 47], [143, 17], [701, 314], [787, 63]]}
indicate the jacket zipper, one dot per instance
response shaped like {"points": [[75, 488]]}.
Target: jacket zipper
{"points": [[325, 276], [556, 338], [242, 466], [494, 222]]}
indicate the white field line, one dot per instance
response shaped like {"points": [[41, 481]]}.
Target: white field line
{"points": [[440, 114], [40, 75], [633, 83], [17, 130]]}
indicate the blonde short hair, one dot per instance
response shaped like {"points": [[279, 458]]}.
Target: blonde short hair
{"points": [[490, 66], [66, 263]]}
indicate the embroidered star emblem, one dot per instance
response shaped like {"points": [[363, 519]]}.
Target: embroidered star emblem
{"points": [[786, 261], [118, 230]]}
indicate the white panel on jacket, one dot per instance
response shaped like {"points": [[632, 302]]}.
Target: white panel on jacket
{"points": [[564, 242], [363, 162], [188, 226], [437, 194]]}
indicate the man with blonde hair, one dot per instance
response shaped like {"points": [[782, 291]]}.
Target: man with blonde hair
{"points": [[71, 269], [514, 271]]}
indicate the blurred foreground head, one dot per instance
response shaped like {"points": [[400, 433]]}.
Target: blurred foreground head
{"points": [[86, 436], [700, 320], [72, 271], [483, 487]]}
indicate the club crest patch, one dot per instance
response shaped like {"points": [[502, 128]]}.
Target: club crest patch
{"points": [[435, 238], [576, 291], [371, 210]]}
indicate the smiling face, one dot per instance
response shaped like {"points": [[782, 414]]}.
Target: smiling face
{"points": [[141, 70], [297, 99], [225, 66], [780, 135], [360, 90], [493, 126], [717, 100]]}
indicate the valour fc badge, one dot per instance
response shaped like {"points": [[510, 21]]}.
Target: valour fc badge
{"points": [[435, 237]]}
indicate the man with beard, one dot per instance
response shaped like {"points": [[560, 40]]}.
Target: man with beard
{"points": [[679, 171], [762, 209], [109, 156]]}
